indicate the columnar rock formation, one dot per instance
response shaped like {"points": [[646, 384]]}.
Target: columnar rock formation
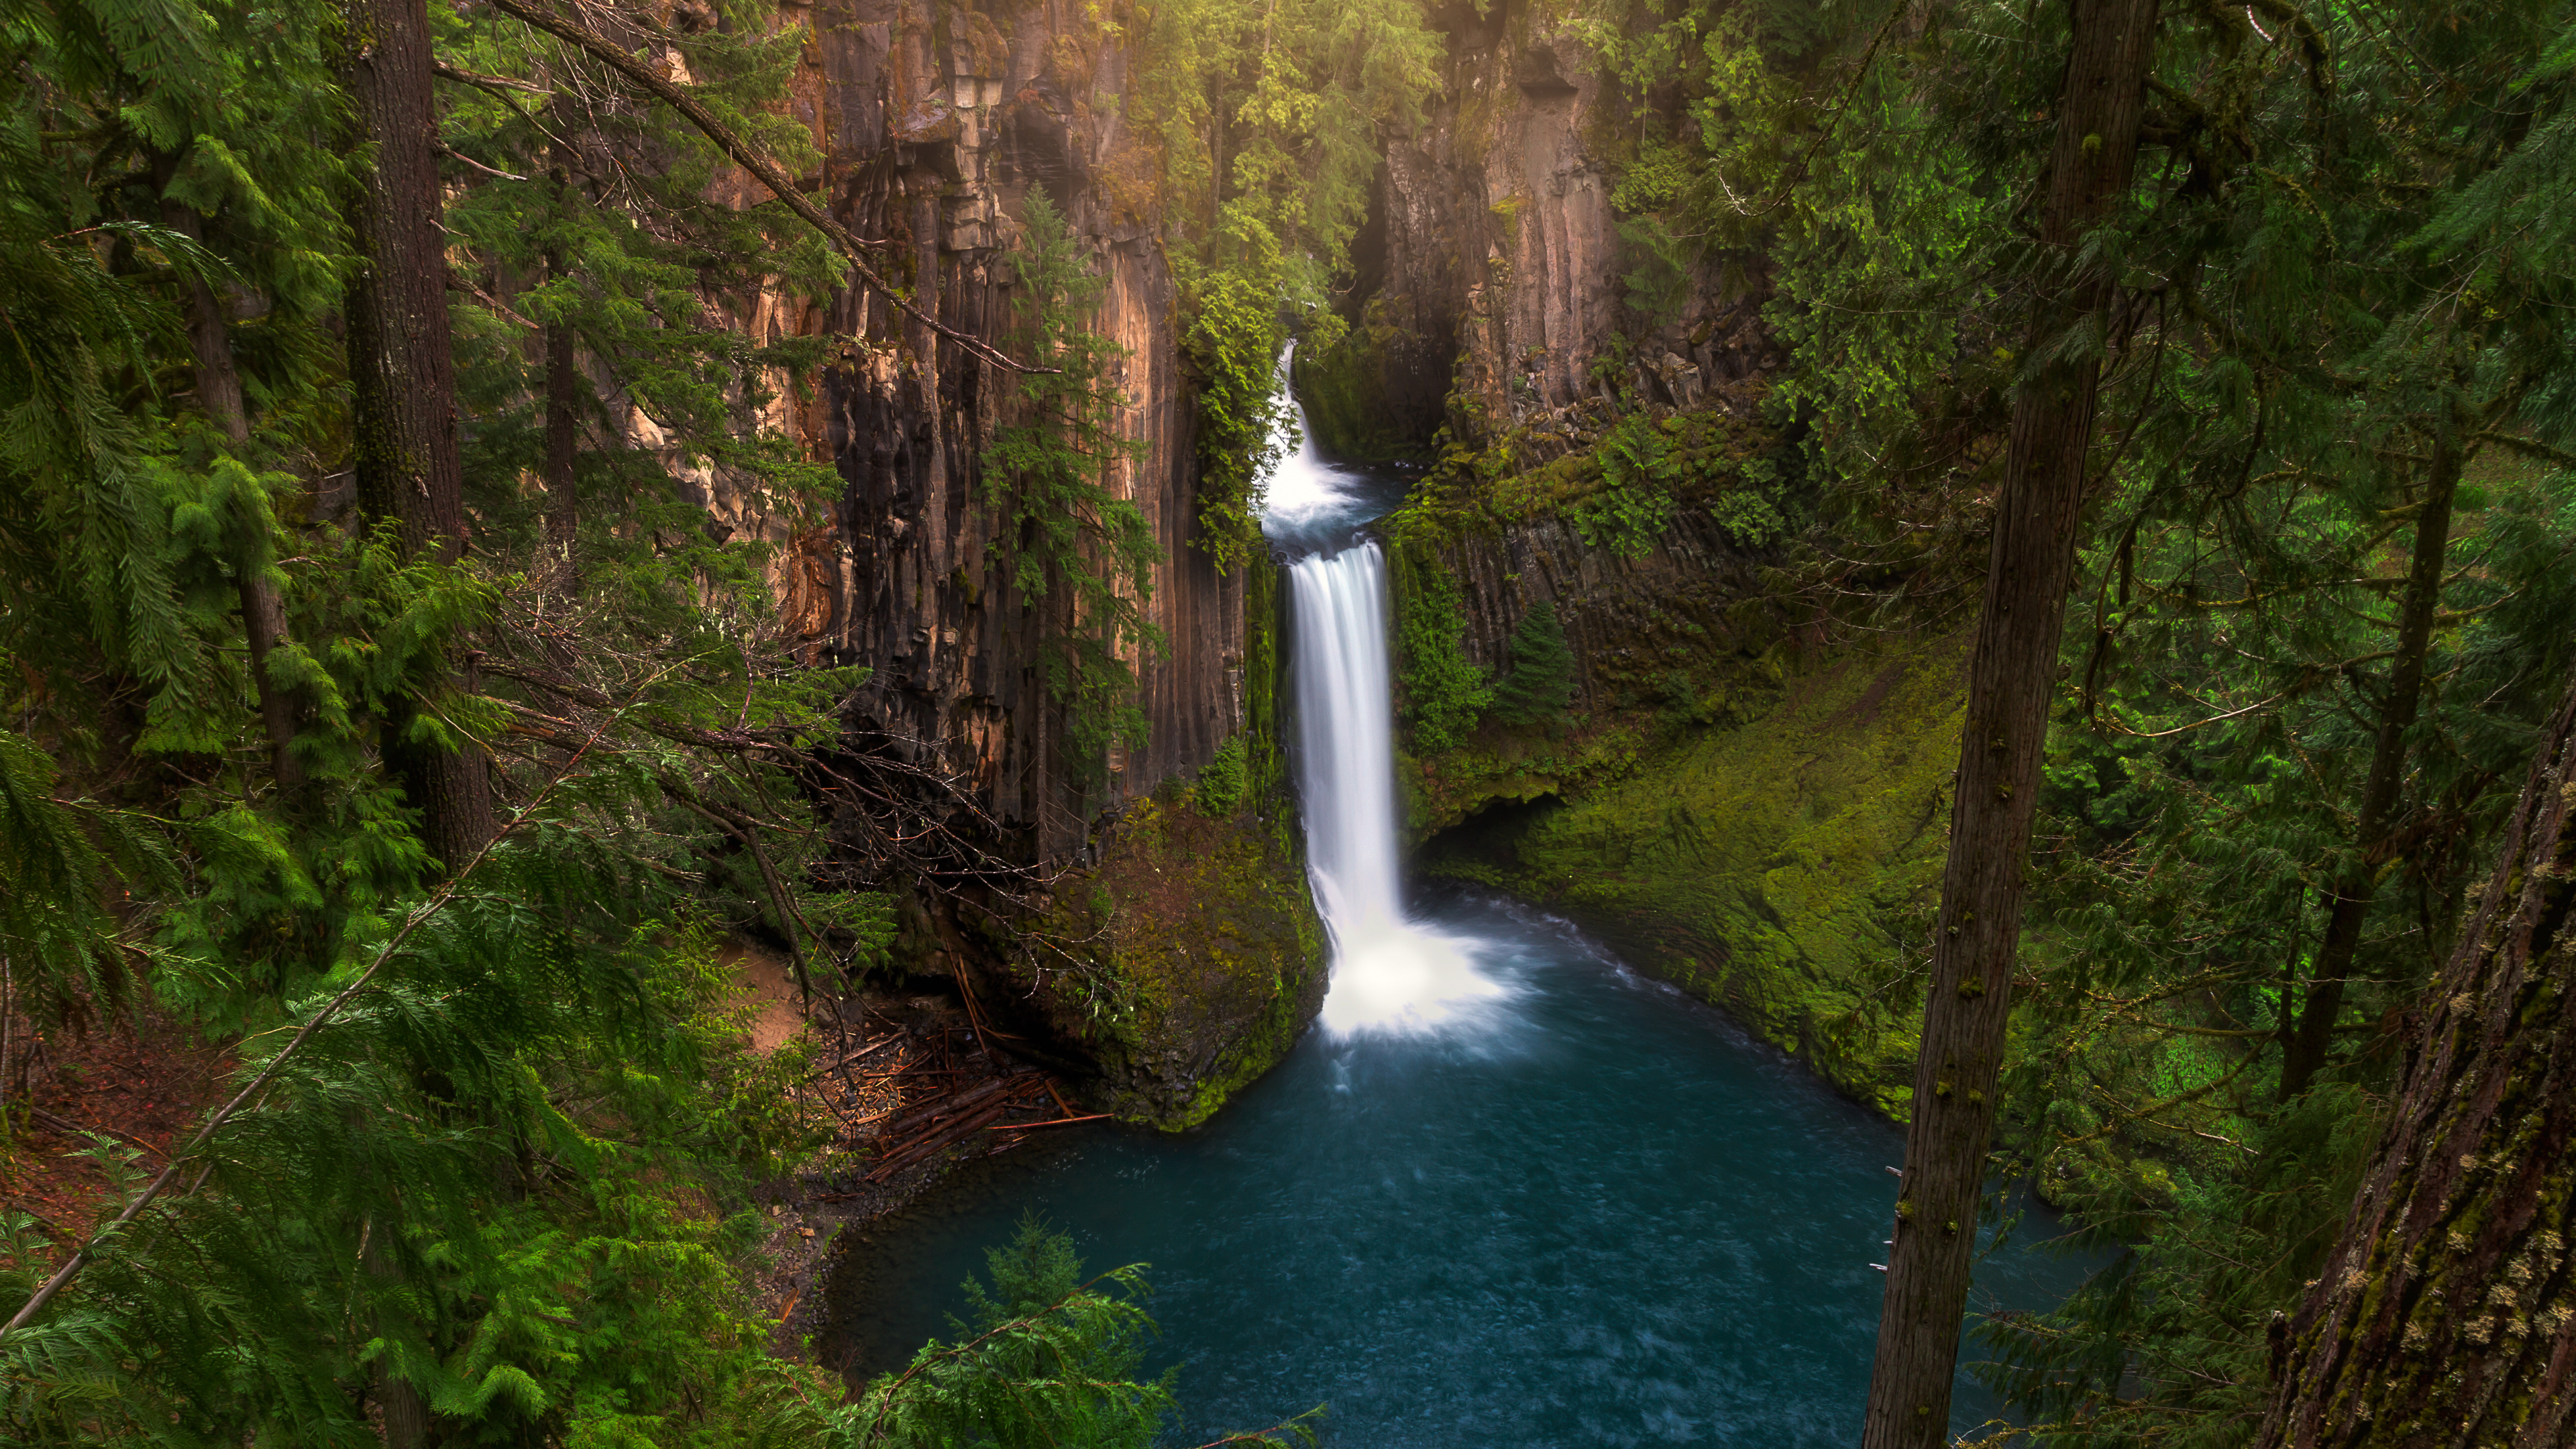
{"points": [[1492, 279], [937, 125]]}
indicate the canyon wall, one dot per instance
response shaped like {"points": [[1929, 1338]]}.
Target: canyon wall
{"points": [[937, 122], [1490, 294], [1742, 799]]}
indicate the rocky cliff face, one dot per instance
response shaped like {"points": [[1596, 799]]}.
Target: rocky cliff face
{"points": [[1491, 293], [1633, 622], [938, 121], [1739, 804]]}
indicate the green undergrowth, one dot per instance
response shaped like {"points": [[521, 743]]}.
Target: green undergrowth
{"points": [[1758, 821], [1779, 861], [1640, 463]]}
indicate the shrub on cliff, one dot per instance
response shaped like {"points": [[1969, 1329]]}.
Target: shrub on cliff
{"points": [[1540, 687], [1440, 692], [1225, 781], [1050, 1359]]}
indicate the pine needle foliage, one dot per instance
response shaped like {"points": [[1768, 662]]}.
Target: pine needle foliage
{"points": [[1048, 1359], [1539, 686], [65, 951], [496, 1134], [470, 1179], [590, 215]]}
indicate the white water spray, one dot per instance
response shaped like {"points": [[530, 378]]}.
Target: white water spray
{"points": [[1389, 973]]}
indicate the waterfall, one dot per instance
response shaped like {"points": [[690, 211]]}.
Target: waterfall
{"points": [[1389, 972]]}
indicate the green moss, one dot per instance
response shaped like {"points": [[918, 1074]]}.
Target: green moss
{"points": [[1439, 692], [1222, 787], [1265, 763], [1187, 960], [1184, 964], [1776, 865], [1772, 844]]}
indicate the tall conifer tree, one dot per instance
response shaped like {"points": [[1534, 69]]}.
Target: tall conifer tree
{"points": [[402, 373], [2011, 676]]}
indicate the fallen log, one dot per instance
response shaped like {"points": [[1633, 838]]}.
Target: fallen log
{"points": [[955, 1102], [923, 1147]]}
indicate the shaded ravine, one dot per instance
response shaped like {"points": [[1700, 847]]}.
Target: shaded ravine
{"points": [[1507, 1192]]}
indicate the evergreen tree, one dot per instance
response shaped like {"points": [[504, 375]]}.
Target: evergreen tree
{"points": [[1539, 687], [484, 1172], [1084, 551], [404, 409], [2003, 739]]}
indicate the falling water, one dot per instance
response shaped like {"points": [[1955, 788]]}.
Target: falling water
{"points": [[1390, 972]]}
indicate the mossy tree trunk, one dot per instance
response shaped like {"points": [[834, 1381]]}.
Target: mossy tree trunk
{"points": [[2446, 1314], [2010, 678], [402, 375]]}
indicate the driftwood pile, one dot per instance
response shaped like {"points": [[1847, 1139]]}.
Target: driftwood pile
{"points": [[909, 1095]]}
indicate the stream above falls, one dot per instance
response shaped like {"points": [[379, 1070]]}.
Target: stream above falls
{"points": [[1508, 1191]]}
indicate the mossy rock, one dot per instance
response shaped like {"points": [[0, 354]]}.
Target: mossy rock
{"points": [[1184, 964]]}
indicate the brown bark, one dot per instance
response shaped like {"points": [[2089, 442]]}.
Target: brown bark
{"points": [[2446, 1314], [402, 377], [2009, 682], [2352, 894], [408, 1422]]}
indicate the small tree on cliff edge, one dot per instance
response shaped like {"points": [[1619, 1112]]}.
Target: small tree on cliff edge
{"points": [[1540, 687]]}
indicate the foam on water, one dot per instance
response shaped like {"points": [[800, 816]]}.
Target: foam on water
{"points": [[1304, 497]]}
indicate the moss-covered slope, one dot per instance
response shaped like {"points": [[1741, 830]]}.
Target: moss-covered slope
{"points": [[1737, 801], [1779, 866], [1184, 961]]}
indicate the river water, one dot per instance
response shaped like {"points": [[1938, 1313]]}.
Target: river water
{"points": [[1507, 1192]]}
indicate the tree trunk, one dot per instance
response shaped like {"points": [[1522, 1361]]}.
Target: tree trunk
{"points": [[563, 434], [2009, 682], [402, 379], [408, 1422], [401, 373], [219, 396], [2379, 791], [2446, 1314]]}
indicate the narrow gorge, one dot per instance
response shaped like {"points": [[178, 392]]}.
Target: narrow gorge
{"points": [[1490, 344], [1651, 1226]]}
